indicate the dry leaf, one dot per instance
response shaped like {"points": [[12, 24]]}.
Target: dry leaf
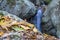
{"points": [[1, 33]]}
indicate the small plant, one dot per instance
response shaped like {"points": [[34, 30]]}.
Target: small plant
{"points": [[48, 1]]}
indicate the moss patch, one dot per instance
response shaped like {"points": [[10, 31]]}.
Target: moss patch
{"points": [[48, 1], [11, 3]]}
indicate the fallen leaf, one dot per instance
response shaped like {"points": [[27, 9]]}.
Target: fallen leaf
{"points": [[1, 33]]}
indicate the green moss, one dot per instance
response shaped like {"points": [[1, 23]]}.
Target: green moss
{"points": [[1, 14], [11, 3], [48, 1]]}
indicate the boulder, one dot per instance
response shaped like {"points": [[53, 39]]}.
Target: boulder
{"points": [[51, 19], [21, 8]]}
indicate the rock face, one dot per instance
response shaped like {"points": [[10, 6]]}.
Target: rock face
{"points": [[21, 8], [51, 18]]}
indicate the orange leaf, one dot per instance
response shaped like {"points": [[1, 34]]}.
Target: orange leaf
{"points": [[1, 33]]}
